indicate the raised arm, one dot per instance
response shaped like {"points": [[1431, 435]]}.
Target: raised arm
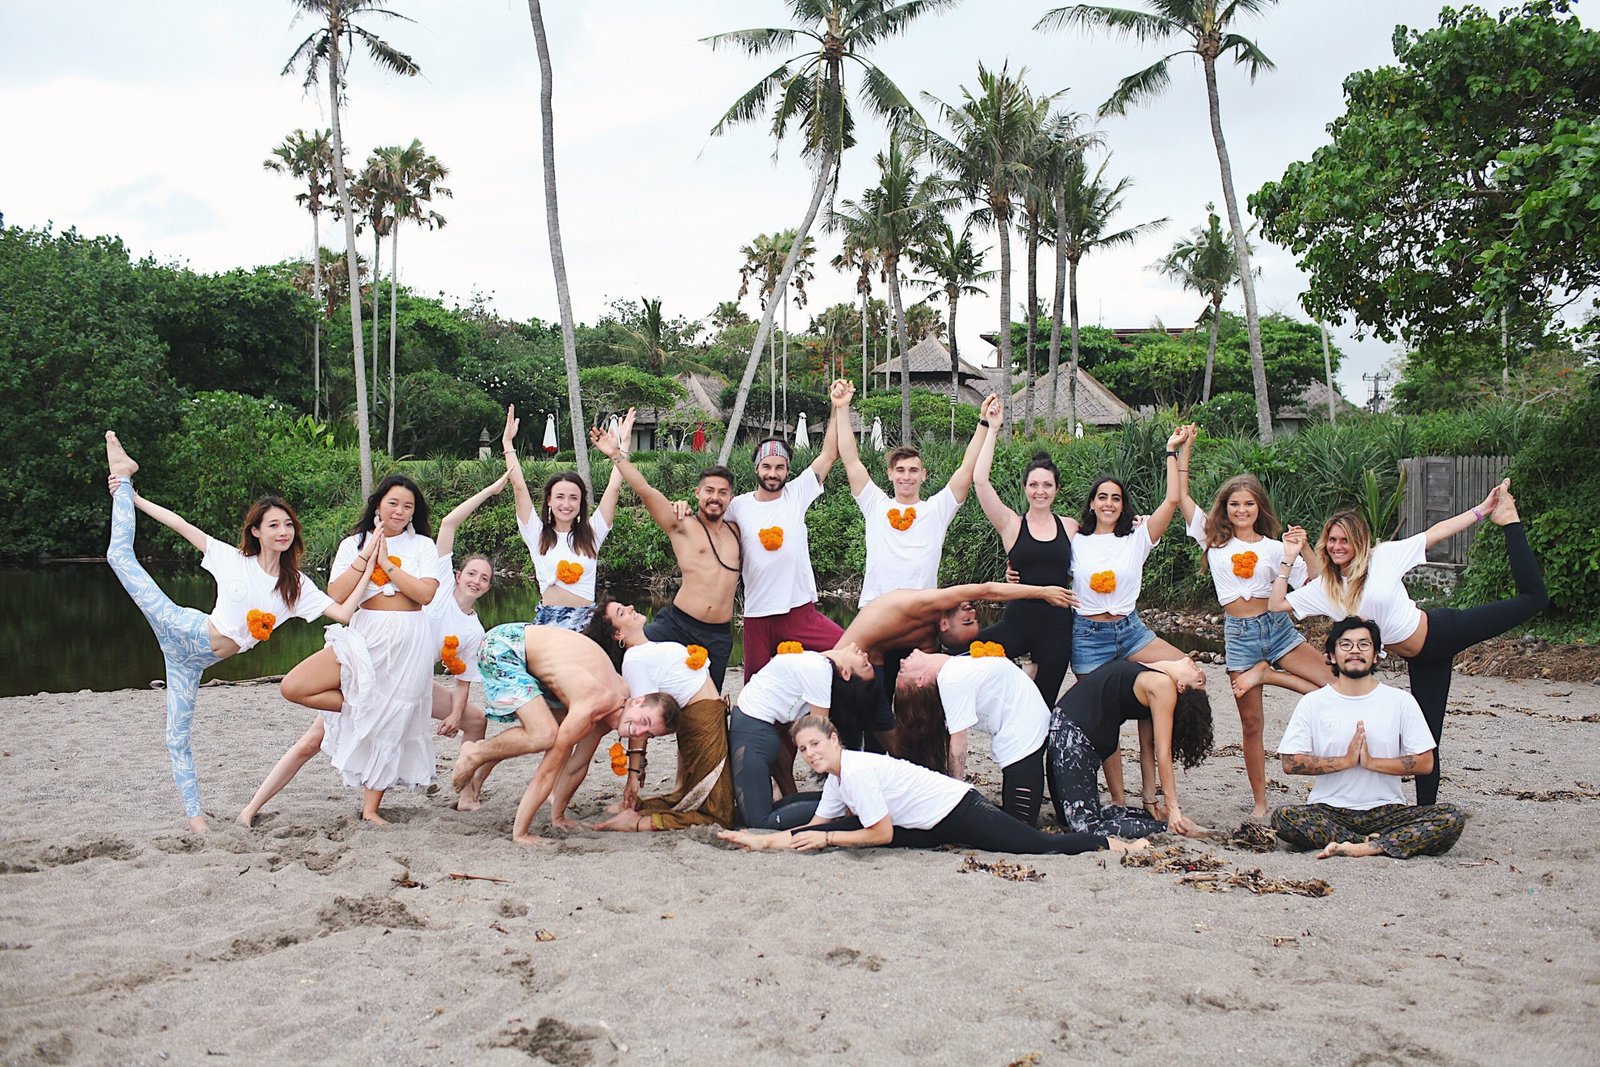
{"points": [[655, 501], [842, 393], [1054, 595], [1005, 521], [519, 484], [830, 445], [446, 541], [166, 517], [1294, 542], [1447, 528], [345, 610], [961, 481], [1161, 517], [1186, 503], [608, 499]]}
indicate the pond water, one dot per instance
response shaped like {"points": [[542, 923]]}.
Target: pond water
{"points": [[72, 627]]}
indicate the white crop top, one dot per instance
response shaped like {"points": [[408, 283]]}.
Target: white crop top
{"points": [[663, 667], [1119, 564], [243, 587], [547, 565], [450, 621], [1244, 570], [417, 554], [1384, 599]]}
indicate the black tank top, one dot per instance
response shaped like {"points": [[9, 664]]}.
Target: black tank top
{"points": [[1042, 562], [1102, 700]]}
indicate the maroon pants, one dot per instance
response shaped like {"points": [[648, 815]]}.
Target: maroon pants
{"points": [[814, 630]]}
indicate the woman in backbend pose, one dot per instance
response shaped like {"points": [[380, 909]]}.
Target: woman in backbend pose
{"points": [[1362, 578], [452, 613], [1038, 548], [901, 805], [258, 584], [1238, 544], [563, 537]]}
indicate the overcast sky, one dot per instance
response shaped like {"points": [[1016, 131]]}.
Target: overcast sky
{"points": [[151, 120]]}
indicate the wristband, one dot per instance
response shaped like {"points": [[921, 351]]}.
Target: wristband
{"points": [[1172, 452], [983, 422], [1477, 515]]}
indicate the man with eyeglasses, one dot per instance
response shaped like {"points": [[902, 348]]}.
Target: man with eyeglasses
{"points": [[1360, 738]]}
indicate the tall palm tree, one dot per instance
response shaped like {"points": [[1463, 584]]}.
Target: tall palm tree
{"points": [[412, 176], [309, 157], [1084, 207], [809, 89], [1204, 26], [954, 269], [898, 212], [1063, 149], [861, 255], [372, 198], [986, 156], [1205, 263], [764, 259], [803, 272], [329, 47], [558, 259]]}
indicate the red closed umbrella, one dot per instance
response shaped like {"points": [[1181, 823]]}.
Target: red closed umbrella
{"points": [[699, 444]]}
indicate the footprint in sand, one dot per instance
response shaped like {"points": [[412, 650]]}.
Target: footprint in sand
{"points": [[849, 957], [554, 1042], [65, 855]]}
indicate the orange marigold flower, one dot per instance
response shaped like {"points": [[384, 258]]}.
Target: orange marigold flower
{"points": [[786, 648], [1103, 581], [260, 623], [771, 538], [902, 520], [697, 658], [986, 649], [568, 573], [451, 642], [454, 665], [381, 576], [619, 759], [1244, 564]]}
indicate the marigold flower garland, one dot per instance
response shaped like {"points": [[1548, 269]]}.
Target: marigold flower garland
{"points": [[447, 655], [260, 623], [986, 649], [1103, 581], [697, 658], [786, 648], [1244, 564], [568, 573], [902, 520], [619, 759], [771, 538], [380, 576]]}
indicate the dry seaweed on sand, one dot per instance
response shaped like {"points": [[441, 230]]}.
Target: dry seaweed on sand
{"points": [[1547, 795], [1011, 872], [1253, 837], [1172, 859], [1258, 883]]}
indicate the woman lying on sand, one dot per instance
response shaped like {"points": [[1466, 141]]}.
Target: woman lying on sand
{"points": [[901, 805]]}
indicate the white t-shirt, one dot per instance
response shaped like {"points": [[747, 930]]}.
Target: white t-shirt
{"points": [[777, 580], [1255, 585], [788, 687], [1123, 556], [662, 667], [903, 559], [450, 621], [546, 565], [1384, 599], [417, 554], [1322, 725], [243, 587], [998, 697], [873, 785]]}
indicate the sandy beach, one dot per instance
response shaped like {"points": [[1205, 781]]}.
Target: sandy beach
{"points": [[313, 938]]}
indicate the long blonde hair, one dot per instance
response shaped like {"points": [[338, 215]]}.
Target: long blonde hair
{"points": [[1219, 529], [1344, 585]]}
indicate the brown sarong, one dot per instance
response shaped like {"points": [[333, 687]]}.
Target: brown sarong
{"points": [[707, 795]]}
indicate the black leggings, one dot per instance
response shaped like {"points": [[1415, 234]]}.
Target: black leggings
{"points": [[1022, 786], [1042, 632], [1451, 631], [976, 823]]}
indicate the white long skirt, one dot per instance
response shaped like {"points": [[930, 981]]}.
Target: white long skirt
{"points": [[383, 737]]}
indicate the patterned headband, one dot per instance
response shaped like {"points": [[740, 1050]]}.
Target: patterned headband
{"points": [[773, 448]]}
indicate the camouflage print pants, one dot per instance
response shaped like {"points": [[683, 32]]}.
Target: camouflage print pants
{"points": [[1399, 829], [1075, 788]]}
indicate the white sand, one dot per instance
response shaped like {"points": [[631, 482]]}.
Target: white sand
{"points": [[123, 939]]}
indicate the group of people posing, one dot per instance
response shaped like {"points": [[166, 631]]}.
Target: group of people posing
{"points": [[882, 710]]}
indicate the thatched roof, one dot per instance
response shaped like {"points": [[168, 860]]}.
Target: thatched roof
{"points": [[1313, 405], [1097, 405], [929, 356]]}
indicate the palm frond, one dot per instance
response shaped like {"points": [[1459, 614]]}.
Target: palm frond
{"points": [[1247, 54], [884, 98], [872, 27], [750, 104], [1151, 81], [1141, 26], [755, 42], [386, 55]]}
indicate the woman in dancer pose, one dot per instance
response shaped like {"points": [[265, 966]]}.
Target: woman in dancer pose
{"points": [[258, 585], [902, 805], [452, 613], [1363, 578], [1239, 546], [563, 536]]}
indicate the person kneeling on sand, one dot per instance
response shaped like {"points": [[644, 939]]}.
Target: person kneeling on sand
{"points": [[703, 793], [1360, 737], [563, 694], [871, 799]]}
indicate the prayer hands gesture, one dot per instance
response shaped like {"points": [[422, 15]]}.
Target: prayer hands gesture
{"points": [[1357, 754], [513, 424]]}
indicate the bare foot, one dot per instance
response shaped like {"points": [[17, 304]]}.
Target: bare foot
{"points": [[1117, 844], [530, 840], [1505, 507], [197, 824], [1245, 681], [468, 800], [120, 463], [1259, 812], [757, 842], [1349, 848], [464, 766], [374, 818], [566, 824]]}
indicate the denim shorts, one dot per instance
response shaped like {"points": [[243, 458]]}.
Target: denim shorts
{"points": [[1269, 636], [503, 663], [1095, 643]]}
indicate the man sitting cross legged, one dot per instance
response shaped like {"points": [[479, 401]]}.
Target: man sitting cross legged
{"points": [[564, 695], [1361, 737]]}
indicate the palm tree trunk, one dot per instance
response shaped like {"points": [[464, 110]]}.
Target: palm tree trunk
{"points": [[772, 382], [786, 357], [316, 323], [1241, 251], [1211, 350], [394, 275], [1060, 301], [952, 294], [818, 192], [1002, 224], [866, 296], [363, 431], [893, 263], [558, 261], [1033, 315], [377, 286], [1072, 374], [1327, 370]]}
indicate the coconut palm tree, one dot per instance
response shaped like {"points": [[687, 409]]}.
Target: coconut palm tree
{"points": [[372, 197], [558, 259], [954, 269], [803, 272], [412, 176], [328, 48], [808, 89], [309, 157], [1084, 206], [986, 156], [859, 254], [1205, 263], [764, 259], [1063, 149], [1204, 26]]}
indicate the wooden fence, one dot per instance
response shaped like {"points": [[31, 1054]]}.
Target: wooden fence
{"points": [[1438, 487]]}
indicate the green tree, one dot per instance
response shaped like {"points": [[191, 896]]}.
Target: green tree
{"points": [[1460, 182], [810, 90], [309, 157], [858, 253], [1204, 262], [328, 49], [616, 388], [953, 268], [1206, 27]]}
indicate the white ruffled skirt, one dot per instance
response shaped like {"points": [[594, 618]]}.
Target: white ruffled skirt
{"points": [[383, 737]]}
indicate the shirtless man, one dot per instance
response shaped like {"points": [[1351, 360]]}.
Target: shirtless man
{"points": [[708, 553], [564, 694]]}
